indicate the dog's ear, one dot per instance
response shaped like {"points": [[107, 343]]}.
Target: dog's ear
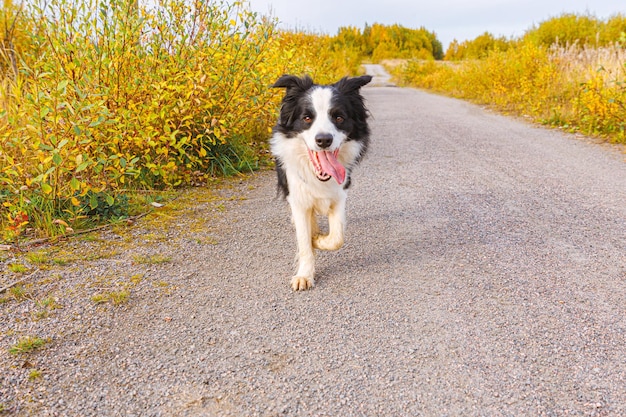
{"points": [[291, 82], [350, 85]]}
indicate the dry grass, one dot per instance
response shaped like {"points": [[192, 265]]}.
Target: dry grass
{"points": [[578, 88]]}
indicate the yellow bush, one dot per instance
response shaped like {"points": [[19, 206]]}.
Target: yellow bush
{"points": [[108, 97], [579, 88], [600, 107], [477, 48]]}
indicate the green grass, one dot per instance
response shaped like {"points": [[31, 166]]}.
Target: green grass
{"points": [[151, 259], [18, 293], [17, 268], [114, 297], [27, 345], [34, 374], [39, 257]]}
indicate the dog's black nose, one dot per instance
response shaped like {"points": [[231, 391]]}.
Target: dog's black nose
{"points": [[324, 140]]}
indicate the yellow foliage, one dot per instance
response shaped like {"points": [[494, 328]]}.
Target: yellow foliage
{"points": [[581, 89], [108, 97]]}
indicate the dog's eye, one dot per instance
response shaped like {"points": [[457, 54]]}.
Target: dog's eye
{"points": [[307, 119], [339, 119]]}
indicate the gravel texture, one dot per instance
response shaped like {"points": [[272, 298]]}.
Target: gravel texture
{"points": [[484, 273]]}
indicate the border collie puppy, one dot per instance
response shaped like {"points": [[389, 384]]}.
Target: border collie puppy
{"points": [[321, 135]]}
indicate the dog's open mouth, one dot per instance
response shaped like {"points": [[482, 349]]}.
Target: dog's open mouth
{"points": [[326, 165]]}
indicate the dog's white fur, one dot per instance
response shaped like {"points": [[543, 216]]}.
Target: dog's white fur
{"points": [[307, 195]]}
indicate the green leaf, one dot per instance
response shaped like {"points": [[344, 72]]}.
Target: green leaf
{"points": [[75, 184], [93, 202], [46, 188], [109, 199], [82, 166], [62, 85], [97, 122], [56, 158]]}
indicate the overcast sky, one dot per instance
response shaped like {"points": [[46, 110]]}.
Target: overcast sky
{"points": [[449, 19]]}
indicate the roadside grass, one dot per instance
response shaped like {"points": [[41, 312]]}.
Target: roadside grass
{"points": [[34, 374], [577, 83], [45, 306], [151, 259], [578, 90], [18, 293], [17, 268], [27, 344], [115, 298]]}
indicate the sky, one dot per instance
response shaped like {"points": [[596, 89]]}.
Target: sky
{"points": [[449, 19]]}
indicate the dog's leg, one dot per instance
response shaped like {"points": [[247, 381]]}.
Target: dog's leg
{"points": [[336, 228], [302, 220], [315, 228]]}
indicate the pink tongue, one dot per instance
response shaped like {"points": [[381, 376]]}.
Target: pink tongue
{"points": [[331, 165]]}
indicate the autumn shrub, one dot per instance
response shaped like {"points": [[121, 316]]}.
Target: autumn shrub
{"points": [[477, 48], [569, 71], [599, 107], [14, 35], [318, 55], [566, 29], [106, 97]]}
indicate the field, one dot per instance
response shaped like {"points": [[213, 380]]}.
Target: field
{"points": [[105, 105]]}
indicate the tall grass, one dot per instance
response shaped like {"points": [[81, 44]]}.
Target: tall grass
{"points": [[580, 88], [100, 96]]}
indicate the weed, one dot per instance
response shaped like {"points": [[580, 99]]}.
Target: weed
{"points": [[39, 257], [34, 374], [165, 287], [60, 261], [151, 259], [89, 237], [105, 206], [119, 297], [49, 303], [17, 268], [18, 293], [114, 297], [100, 298], [27, 345]]}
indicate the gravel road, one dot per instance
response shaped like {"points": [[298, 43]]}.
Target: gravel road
{"points": [[484, 274], [381, 78]]}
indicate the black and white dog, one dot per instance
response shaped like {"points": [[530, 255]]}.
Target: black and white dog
{"points": [[321, 135]]}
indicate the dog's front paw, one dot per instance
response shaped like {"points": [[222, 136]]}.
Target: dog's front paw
{"points": [[301, 283], [327, 242]]}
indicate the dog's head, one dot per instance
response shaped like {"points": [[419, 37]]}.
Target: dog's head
{"points": [[325, 117]]}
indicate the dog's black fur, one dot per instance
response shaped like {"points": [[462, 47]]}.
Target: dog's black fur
{"points": [[347, 101]]}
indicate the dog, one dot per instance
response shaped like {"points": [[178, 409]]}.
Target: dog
{"points": [[321, 135]]}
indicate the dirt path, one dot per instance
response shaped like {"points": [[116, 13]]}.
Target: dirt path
{"points": [[484, 274]]}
